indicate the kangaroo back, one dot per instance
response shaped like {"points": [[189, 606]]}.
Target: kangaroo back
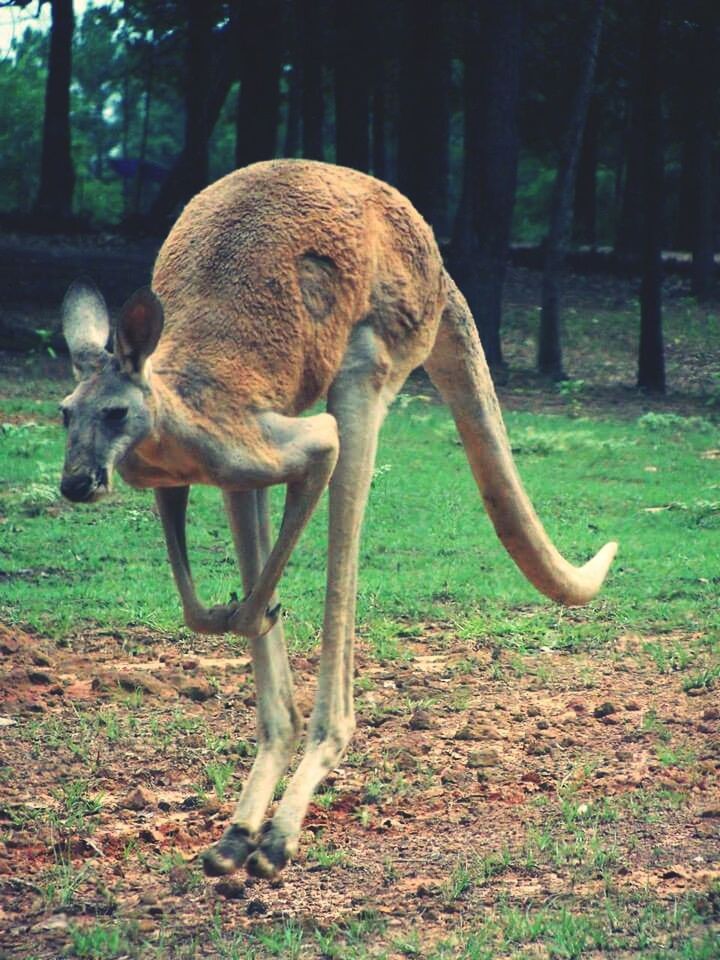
{"points": [[458, 369], [267, 271]]}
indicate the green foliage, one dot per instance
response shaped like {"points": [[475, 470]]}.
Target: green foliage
{"points": [[98, 941], [22, 99]]}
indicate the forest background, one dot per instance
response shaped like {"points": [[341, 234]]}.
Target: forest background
{"points": [[540, 124]]}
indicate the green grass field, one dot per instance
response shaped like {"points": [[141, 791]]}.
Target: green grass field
{"points": [[525, 781], [428, 550]]}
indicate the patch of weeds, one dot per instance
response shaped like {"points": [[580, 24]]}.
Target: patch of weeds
{"points": [[467, 874], [232, 944], [134, 699], [111, 724], [563, 933], [704, 680], [218, 775], [330, 943], [326, 798], [355, 758], [571, 391], [459, 882], [383, 635], [651, 724], [468, 666], [326, 856], [61, 883], [673, 422], [588, 812], [460, 699], [169, 860], [669, 658], [409, 945], [100, 942], [675, 756], [650, 805], [363, 815], [375, 791], [282, 941], [75, 807], [280, 788]]}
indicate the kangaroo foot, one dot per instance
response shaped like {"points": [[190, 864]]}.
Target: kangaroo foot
{"points": [[273, 853], [230, 852]]}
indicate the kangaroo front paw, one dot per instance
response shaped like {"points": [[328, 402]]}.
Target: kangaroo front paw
{"points": [[230, 852], [246, 622], [274, 852]]}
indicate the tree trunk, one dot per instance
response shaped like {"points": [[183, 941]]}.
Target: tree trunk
{"points": [[703, 108], [424, 123], [628, 240], [57, 174], [481, 234], [557, 240], [313, 98], [651, 356], [379, 138], [142, 156], [259, 99], [292, 131], [585, 216], [189, 172], [352, 85]]}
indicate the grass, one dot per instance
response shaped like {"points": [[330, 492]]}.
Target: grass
{"points": [[428, 554], [428, 549]]}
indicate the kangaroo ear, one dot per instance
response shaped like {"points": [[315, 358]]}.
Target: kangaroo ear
{"points": [[86, 327], [138, 330]]}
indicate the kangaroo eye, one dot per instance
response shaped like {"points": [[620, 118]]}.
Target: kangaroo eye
{"points": [[115, 414]]}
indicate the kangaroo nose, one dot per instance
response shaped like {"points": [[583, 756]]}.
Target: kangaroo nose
{"points": [[77, 487]]}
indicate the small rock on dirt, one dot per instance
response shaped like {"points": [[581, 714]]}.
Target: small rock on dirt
{"points": [[150, 836], [256, 908], [57, 924], [421, 720], [40, 676], [179, 878], [233, 889], [476, 731], [197, 690], [483, 758], [711, 713], [140, 799], [604, 710], [9, 643]]}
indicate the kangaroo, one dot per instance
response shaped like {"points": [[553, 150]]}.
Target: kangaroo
{"points": [[282, 283]]}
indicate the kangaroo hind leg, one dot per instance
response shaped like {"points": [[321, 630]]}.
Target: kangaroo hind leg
{"points": [[278, 721], [358, 399]]}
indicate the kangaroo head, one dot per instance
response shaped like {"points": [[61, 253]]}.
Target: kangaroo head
{"points": [[110, 410]]}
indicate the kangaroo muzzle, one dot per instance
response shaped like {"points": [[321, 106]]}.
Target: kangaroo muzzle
{"points": [[82, 487]]}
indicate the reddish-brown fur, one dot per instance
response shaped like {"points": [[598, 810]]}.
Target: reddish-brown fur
{"points": [[262, 282]]}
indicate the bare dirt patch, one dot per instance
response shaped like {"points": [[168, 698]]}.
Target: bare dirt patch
{"points": [[544, 776]]}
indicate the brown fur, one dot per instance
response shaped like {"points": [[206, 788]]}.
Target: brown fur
{"points": [[267, 272]]}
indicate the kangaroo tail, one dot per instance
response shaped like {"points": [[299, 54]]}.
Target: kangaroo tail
{"points": [[458, 369]]}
